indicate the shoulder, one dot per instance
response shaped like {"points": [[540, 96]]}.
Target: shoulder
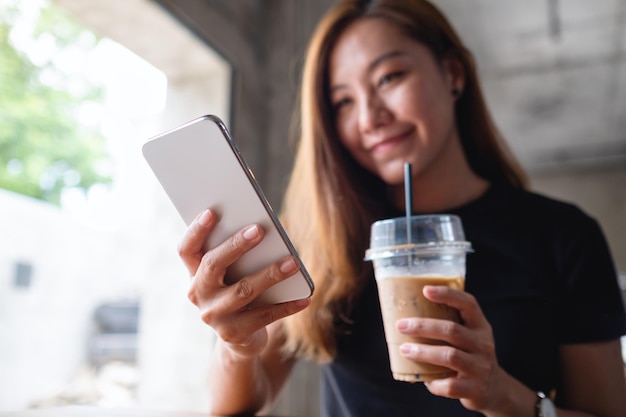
{"points": [[516, 212], [541, 208]]}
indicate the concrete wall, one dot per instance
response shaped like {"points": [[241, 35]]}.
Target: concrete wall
{"points": [[264, 43]]}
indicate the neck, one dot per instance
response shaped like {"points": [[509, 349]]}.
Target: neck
{"points": [[448, 184], [445, 195]]}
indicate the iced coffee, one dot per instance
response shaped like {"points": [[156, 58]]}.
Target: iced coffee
{"points": [[432, 252]]}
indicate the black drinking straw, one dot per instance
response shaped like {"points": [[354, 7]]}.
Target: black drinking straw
{"points": [[408, 200]]}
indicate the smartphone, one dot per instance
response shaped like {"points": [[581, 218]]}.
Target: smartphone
{"points": [[199, 167]]}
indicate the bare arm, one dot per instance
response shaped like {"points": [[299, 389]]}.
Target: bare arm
{"points": [[248, 368], [248, 384], [593, 384], [593, 373], [593, 379]]}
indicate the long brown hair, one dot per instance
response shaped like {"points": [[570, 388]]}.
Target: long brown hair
{"points": [[331, 200]]}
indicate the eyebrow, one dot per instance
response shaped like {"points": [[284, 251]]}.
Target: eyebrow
{"points": [[372, 66], [382, 58]]}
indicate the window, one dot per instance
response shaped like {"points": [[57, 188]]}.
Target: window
{"points": [[105, 289]]}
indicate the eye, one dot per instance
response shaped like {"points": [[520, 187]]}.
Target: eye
{"points": [[387, 78], [341, 103]]}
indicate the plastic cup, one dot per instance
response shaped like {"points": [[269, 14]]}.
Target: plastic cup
{"points": [[434, 255]]}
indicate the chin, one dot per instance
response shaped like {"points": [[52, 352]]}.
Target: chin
{"points": [[392, 173], [393, 181]]}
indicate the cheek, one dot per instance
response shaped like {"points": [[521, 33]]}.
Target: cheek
{"points": [[351, 140], [414, 101], [429, 110], [420, 96], [347, 132]]}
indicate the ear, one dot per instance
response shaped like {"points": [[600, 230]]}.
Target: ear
{"points": [[455, 75]]}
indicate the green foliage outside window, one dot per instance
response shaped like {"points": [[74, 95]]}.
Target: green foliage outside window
{"points": [[44, 147]]}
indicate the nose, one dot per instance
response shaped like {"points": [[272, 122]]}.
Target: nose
{"points": [[373, 113]]}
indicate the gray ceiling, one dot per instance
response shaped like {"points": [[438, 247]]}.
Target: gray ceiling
{"points": [[554, 75]]}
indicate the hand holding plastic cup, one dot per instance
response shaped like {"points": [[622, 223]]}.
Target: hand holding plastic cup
{"points": [[409, 253]]}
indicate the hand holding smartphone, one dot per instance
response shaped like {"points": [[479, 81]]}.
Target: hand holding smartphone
{"points": [[200, 167]]}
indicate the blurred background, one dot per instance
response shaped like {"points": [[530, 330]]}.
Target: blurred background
{"points": [[93, 306]]}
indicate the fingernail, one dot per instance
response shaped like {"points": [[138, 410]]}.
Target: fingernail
{"points": [[205, 218], [251, 232], [434, 289], [403, 324], [303, 303], [288, 266], [406, 349]]}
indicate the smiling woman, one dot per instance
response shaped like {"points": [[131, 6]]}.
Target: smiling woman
{"points": [[387, 82]]}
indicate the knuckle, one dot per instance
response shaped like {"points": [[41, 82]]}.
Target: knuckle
{"points": [[472, 298], [233, 335], [234, 246], [181, 249], [267, 316], [416, 324], [236, 242], [228, 335], [274, 276], [448, 390], [451, 355], [489, 330], [243, 289], [490, 348], [271, 276], [208, 263], [192, 295], [485, 367], [207, 315], [453, 390], [450, 329], [481, 390]]}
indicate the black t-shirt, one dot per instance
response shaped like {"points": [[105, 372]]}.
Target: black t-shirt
{"points": [[543, 276]]}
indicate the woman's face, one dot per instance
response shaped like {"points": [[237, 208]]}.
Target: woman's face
{"points": [[392, 100]]}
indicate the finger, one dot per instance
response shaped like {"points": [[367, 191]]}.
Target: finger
{"points": [[190, 248], [216, 261], [445, 330], [464, 302], [456, 387], [241, 328], [441, 355], [242, 293], [448, 356]]}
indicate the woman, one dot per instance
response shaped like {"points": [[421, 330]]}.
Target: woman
{"points": [[384, 83]]}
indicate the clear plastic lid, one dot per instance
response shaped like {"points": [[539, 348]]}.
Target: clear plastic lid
{"points": [[428, 233]]}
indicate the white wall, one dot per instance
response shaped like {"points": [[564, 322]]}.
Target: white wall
{"points": [[45, 327]]}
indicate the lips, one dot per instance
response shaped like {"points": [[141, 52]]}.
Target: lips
{"points": [[388, 142]]}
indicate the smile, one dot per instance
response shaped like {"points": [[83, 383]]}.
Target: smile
{"points": [[389, 142]]}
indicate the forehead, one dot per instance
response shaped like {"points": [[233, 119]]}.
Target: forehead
{"points": [[363, 41]]}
